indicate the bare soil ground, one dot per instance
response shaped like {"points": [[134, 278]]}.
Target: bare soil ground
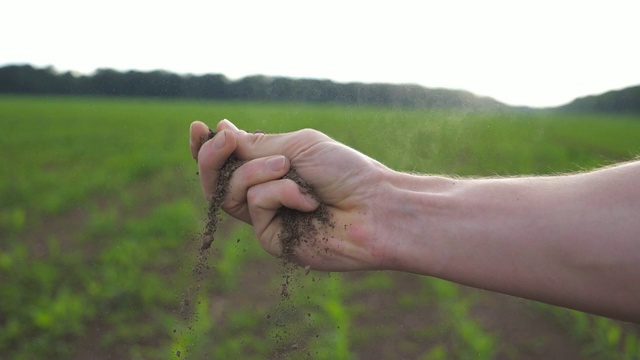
{"points": [[525, 334], [382, 326], [399, 331]]}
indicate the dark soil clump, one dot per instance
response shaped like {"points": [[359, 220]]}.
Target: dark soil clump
{"points": [[297, 228]]}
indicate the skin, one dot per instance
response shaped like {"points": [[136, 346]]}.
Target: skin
{"points": [[570, 240]]}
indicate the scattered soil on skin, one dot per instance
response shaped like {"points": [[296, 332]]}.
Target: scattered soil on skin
{"points": [[297, 226]]}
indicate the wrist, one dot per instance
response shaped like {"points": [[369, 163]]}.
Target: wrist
{"points": [[413, 219]]}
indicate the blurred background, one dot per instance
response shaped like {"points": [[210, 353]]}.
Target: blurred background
{"points": [[100, 204]]}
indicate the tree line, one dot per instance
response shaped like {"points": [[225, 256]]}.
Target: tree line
{"points": [[26, 79], [617, 101]]}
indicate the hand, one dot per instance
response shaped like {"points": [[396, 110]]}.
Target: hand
{"points": [[343, 179]]}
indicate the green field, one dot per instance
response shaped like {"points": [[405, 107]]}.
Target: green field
{"points": [[100, 209]]}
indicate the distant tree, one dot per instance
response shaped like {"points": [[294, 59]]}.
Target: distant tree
{"points": [[617, 101], [250, 87], [108, 82], [206, 87], [26, 79]]}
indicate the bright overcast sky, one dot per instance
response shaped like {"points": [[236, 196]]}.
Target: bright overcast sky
{"points": [[535, 53]]}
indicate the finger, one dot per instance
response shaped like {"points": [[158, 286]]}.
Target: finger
{"points": [[264, 201], [197, 130], [211, 158], [226, 125], [252, 173], [257, 145]]}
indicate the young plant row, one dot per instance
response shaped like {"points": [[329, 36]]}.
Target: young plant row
{"points": [[99, 197], [603, 338]]}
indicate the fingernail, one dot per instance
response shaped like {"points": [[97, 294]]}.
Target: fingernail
{"points": [[220, 140], [275, 163]]}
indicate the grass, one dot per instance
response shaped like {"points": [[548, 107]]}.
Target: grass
{"points": [[101, 209]]}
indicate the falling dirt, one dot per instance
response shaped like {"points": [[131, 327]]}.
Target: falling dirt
{"points": [[200, 270], [297, 228]]}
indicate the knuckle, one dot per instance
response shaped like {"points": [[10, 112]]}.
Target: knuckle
{"points": [[248, 173], [253, 195], [242, 174], [289, 187], [308, 138], [311, 134], [229, 203], [256, 138]]}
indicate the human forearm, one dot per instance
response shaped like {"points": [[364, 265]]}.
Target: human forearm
{"points": [[566, 240]]}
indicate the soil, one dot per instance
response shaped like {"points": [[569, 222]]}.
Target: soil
{"points": [[297, 228]]}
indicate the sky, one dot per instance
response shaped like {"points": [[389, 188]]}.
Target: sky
{"points": [[531, 53]]}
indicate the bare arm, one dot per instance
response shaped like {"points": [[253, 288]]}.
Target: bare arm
{"points": [[571, 240]]}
